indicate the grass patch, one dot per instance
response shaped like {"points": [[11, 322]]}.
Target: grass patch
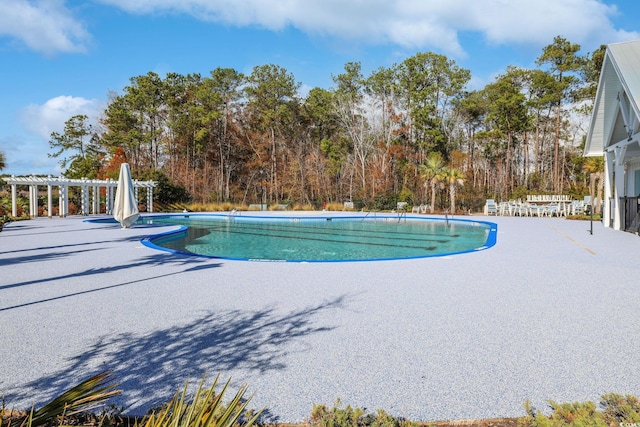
{"points": [[585, 217]]}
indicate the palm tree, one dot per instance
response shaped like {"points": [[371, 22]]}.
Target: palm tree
{"points": [[453, 177], [432, 172], [594, 166]]}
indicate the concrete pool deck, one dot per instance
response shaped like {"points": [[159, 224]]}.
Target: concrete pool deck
{"points": [[550, 312]]}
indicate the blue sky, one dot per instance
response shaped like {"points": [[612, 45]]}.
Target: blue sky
{"points": [[59, 58]]}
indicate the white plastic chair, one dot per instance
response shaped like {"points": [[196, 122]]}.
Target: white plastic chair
{"points": [[490, 207]]}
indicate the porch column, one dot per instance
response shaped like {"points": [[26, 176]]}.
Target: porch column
{"points": [[607, 213], [618, 207], [14, 200]]}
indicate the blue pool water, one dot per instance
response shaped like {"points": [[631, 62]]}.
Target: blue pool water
{"points": [[323, 239]]}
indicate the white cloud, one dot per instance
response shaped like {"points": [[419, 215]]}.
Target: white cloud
{"points": [[27, 150], [50, 117], [26, 156], [45, 26], [411, 23], [579, 21], [48, 26]]}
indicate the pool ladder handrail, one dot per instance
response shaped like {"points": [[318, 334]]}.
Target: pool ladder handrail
{"points": [[233, 213], [368, 212]]}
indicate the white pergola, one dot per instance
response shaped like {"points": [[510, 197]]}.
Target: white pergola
{"points": [[89, 194]]}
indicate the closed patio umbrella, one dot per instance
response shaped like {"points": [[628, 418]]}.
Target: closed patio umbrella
{"points": [[125, 206]]}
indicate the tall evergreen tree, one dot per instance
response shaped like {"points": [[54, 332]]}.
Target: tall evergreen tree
{"points": [[226, 83], [428, 83], [82, 146], [352, 116], [507, 113], [272, 93], [564, 62]]}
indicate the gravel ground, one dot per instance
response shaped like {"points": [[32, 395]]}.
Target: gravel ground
{"points": [[550, 312]]}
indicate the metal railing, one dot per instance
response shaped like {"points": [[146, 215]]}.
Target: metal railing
{"points": [[631, 214]]}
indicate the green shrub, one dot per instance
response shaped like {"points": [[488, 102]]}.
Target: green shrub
{"points": [[384, 202], [406, 195], [585, 217], [620, 409], [519, 193], [339, 416], [166, 192], [359, 204], [577, 414]]}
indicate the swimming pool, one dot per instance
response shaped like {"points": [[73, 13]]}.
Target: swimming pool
{"points": [[319, 238]]}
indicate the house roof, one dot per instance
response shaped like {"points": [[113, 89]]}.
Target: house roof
{"points": [[619, 79]]}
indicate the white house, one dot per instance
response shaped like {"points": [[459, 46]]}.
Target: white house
{"points": [[615, 133]]}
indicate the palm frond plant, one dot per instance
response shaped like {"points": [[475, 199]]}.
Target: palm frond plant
{"points": [[83, 397], [206, 409]]}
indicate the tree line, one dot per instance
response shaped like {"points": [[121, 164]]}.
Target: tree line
{"points": [[411, 132]]}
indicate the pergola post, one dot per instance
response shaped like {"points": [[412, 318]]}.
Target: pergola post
{"points": [[63, 203], [49, 200], [33, 201], [95, 208], [109, 199], [149, 199], [84, 198], [14, 200]]}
